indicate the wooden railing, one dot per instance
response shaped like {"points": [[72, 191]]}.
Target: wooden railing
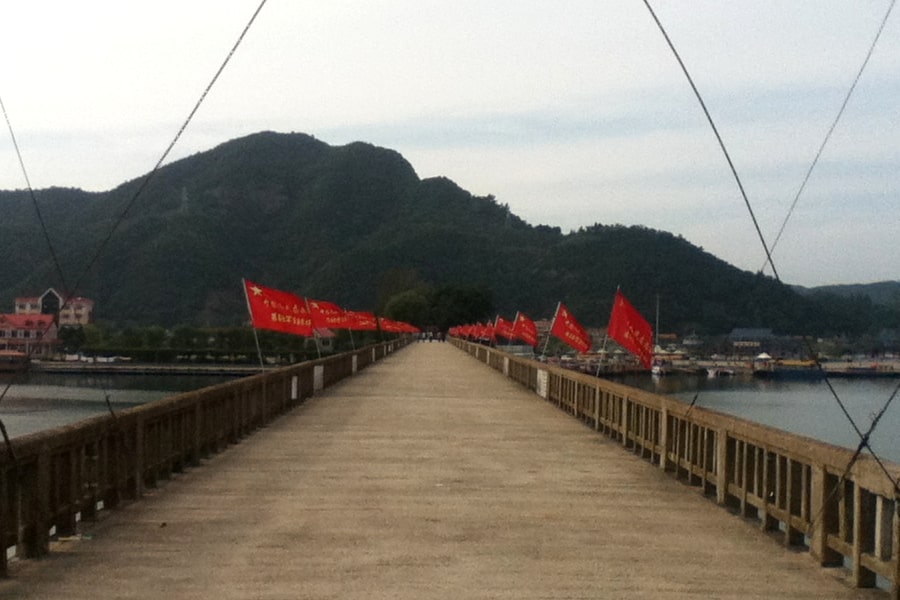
{"points": [[52, 479], [797, 488]]}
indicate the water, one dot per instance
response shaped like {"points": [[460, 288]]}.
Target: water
{"points": [[803, 407], [38, 401]]}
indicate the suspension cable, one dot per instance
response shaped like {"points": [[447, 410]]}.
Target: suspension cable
{"points": [[864, 437], [712, 124], [831, 129], [134, 198]]}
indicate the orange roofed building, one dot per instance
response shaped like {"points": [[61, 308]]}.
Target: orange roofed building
{"points": [[35, 335]]}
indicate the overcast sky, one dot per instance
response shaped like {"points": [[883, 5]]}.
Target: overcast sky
{"points": [[570, 112]]}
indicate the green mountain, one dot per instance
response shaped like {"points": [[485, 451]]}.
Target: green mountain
{"points": [[354, 224]]}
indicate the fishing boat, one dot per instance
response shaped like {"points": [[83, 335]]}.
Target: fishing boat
{"points": [[805, 370]]}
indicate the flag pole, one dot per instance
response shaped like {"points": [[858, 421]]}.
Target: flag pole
{"points": [[262, 366], [552, 323], [656, 340], [315, 330], [602, 351], [606, 335]]}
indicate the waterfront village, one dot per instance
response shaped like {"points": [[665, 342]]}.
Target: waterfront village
{"points": [[33, 330]]}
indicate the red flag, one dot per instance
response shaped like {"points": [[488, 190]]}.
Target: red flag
{"points": [[387, 325], [327, 315], [525, 329], [276, 310], [361, 321], [631, 330], [391, 326], [409, 327], [569, 330], [504, 328]]}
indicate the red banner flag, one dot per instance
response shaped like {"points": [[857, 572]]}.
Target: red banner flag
{"points": [[504, 328], [391, 326], [631, 330], [327, 315], [276, 310], [525, 329], [569, 330], [361, 321]]}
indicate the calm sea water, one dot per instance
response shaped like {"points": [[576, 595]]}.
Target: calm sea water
{"points": [[45, 400], [807, 408], [40, 401]]}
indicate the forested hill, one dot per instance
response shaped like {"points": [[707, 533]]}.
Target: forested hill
{"points": [[354, 224]]}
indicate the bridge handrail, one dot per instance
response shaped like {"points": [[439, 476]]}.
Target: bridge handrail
{"points": [[51, 479], [795, 487]]}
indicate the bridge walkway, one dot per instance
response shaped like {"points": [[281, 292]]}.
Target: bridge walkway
{"points": [[427, 475]]}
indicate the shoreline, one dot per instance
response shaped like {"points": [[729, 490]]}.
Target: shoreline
{"points": [[143, 368]]}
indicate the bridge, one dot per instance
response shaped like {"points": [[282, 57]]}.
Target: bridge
{"points": [[437, 470]]}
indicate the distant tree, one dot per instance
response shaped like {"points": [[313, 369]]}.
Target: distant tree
{"points": [[412, 306], [155, 337], [187, 338], [72, 339], [130, 337], [460, 304], [395, 281], [97, 336]]}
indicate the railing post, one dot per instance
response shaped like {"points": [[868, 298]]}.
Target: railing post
{"points": [[825, 507], [723, 467], [69, 494], [137, 488], [895, 536], [796, 490], [769, 484], [38, 543], [863, 516], [664, 438], [318, 378], [5, 514]]}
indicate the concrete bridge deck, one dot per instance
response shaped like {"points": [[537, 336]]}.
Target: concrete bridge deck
{"points": [[427, 475]]}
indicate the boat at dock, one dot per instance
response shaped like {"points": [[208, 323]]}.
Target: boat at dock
{"points": [[795, 370], [720, 372], [874, 370]]}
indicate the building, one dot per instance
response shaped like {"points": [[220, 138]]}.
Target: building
{"points": [[33, 334], [77, 311]]}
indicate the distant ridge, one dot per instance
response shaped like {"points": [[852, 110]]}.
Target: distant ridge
{"points": [[354, 224], [886, 293]]}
